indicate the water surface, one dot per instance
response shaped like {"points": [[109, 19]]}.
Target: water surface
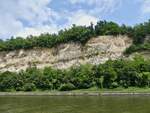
{"points": [[74, 104]]}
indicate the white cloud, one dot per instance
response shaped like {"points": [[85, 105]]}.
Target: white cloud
{"points": [[98, 6], [77, 1], [33, 17], [82, 18], [9, 26], [91, 10], [33, 13], [145, 7], [36, 31]]}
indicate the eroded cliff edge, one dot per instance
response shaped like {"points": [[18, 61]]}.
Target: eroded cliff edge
{"points": [[96, 50]]}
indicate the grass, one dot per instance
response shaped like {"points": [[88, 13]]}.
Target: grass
{"points": [[119, 89], [93, 90]]}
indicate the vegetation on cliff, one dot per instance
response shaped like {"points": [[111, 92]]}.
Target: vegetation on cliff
{"points": [[112, 74], [141, 32], [82, 34]]}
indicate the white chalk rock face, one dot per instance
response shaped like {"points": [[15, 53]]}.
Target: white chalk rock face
{"points": [[95, 51]]}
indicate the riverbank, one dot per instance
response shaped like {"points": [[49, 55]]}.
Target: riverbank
{"points": [[71, 93], [84, 92]]}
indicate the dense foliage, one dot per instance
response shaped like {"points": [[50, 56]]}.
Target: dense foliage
{"points": [[141, 32], [112, 74], [138, 47], [77, 34], [81, 34]]}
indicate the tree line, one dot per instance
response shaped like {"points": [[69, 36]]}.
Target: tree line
{"points": [[82, 34], [112, 74]]}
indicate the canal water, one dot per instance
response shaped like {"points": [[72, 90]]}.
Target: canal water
{"points": [[74, 104]]}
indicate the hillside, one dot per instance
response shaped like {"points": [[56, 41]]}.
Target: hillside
{"points": [[101, 56], [96, 50]]}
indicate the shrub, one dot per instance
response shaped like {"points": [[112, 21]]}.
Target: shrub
{"points": [[112, 74], [29, 87], [114, 85], [80, 34], [67, 87]]}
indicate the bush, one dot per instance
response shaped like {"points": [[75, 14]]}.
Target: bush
{"points": [[137, 47], [112, 74], [114, 85], [67, 87], [79, 34], [29, 87]]}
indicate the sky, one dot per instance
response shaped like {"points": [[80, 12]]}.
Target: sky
{"points": [[33, 17]]}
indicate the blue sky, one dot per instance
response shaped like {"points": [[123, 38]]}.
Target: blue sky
{"points": [[33, 17]]}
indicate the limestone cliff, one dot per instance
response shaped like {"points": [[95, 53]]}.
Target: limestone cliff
{"points": [[95, 51]]}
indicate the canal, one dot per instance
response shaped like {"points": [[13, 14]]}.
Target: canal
{"points": [[74, 104]]}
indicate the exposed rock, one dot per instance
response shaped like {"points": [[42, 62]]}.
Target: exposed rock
{"points": [[95, 51]]}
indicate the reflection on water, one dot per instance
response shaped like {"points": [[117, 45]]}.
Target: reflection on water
{"points": [[75, 104]]}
